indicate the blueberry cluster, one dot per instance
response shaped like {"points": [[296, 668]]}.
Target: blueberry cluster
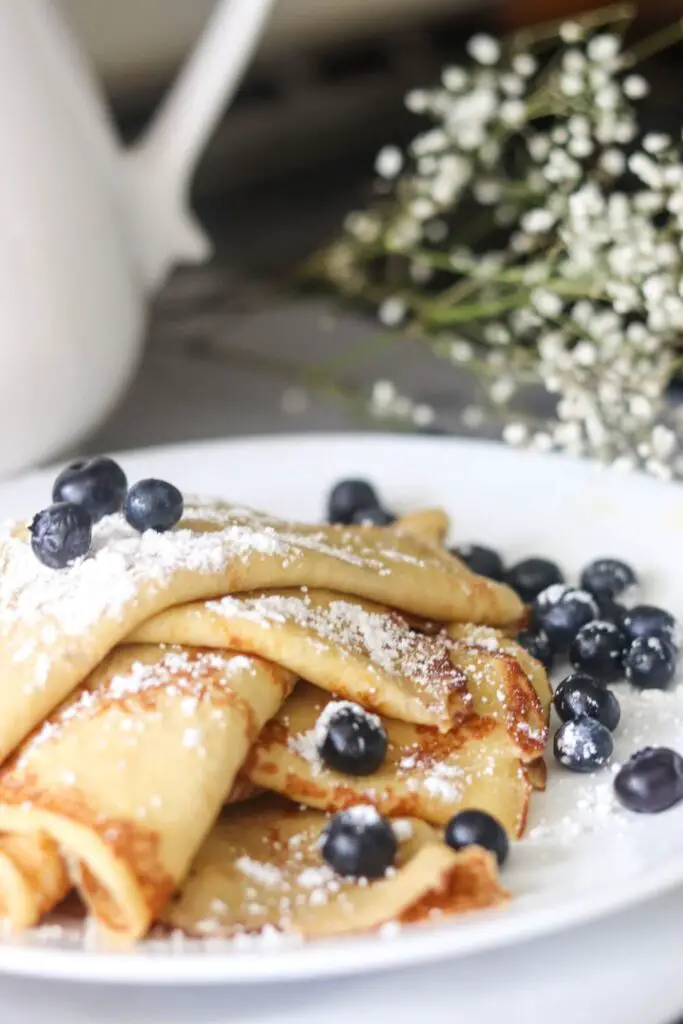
{"points": [[86, 491]]}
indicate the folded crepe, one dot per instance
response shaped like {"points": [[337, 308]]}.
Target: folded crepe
{"points": [[347, 646], [261, 870], [129, 775], [56, 626], [425, 774], [369, 654]]}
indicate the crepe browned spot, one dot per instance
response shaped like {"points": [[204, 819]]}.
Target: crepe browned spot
{"points": [[57, 626], [350, 647], [426, 774], [505, 682], [261, 868], [129, 775]]}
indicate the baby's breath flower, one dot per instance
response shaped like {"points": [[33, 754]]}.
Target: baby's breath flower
{"points": [[392, 311], [571, 32], [524, 64], [389, 162], [580, 288], [635, 87], [484, 49]]}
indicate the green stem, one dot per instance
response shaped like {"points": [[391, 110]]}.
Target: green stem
{"points": [[548, 31], [654, 44]]}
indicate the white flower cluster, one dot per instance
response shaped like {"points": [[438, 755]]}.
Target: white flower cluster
{"points": [[582, 290]]}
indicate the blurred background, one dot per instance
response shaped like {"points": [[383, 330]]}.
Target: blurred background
{"points": [[292, 156]]}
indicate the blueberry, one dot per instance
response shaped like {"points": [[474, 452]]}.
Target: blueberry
{"points": [[99, 484], [153, 505], [583, 745], [537, 643], [533, 575], [372, 516], [598, 648], [483, 561], [561, 611], [645, 620], [581, 696], [477, 828], [608, 578], [347, 497], [610, 611], [650, 663], [354, 742], [651, 780], [360, 843], [60, 534]]}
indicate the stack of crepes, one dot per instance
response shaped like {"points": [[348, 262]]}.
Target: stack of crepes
{"points": [[152, 692]]}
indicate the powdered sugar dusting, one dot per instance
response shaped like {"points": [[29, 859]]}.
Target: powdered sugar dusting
{"points": [[384, 639], [177, 672], [265, 874], [335, 707]]}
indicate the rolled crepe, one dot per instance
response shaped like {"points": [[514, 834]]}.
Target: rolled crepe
{"points": [[425, 774], [128, 776], [261, 869], [345, 645], [57, 626], [33, 878]]}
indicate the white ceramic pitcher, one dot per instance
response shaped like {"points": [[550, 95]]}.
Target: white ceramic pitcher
{"points": [[88, 229]]}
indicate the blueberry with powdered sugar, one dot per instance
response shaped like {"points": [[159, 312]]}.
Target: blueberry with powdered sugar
{"points": [[560, 611], [579, 696], [537, 643], [350, 739], [583, 745], [598, 648], [359, 843], [647, 620], [609, 578], [650, 663]]}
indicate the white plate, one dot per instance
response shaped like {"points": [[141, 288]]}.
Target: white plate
{"points": [[584, 857]]}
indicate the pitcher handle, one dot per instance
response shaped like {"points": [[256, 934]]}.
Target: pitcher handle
{"points": [[157, 170]]}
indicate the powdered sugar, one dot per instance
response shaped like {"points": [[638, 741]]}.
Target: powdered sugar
{"points": [[335, 707], [265, 874], [385, 640]]}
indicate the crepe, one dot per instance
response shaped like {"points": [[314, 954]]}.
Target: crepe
{"points": [[506, 683], [129, 775], [56, 626], [261, 869], [33, 878], [430, 525], [425, 774], [350, 647]]}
